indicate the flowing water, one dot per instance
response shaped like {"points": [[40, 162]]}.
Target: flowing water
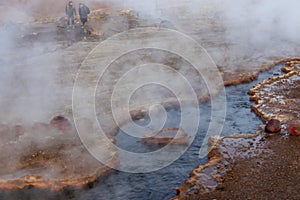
{"points": [[161, 184]]}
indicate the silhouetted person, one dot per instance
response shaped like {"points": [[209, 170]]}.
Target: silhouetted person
{"points": [[71, 13], [83, 13]]}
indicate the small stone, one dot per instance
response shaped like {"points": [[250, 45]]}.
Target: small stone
{"points": [[220, 187], [61, 123], [273, 126], [137, 115]]}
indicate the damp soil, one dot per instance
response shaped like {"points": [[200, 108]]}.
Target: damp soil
{"points": [[267, 176], [161, 184], [268, 170]]}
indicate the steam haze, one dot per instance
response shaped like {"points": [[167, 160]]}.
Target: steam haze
{"points": [[37, 73], [26, 77], [261, 22], [27, 87]]}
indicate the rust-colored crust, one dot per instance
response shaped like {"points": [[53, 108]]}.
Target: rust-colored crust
{"points": [[64, 163], [207, 177], [246, 77], [53, 185], [278, 97], [58, 184], [180, 138]]}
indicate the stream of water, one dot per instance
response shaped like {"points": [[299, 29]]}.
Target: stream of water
{"points": [[161, 184]]}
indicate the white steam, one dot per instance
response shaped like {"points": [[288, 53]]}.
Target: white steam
{"points": [[262, 22], [27, 73], [27, 79]]}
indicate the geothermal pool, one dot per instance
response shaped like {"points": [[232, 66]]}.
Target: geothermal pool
{"points": [[161, 184]]}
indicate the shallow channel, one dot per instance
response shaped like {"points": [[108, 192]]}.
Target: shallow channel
{"points": [[161, 184]]}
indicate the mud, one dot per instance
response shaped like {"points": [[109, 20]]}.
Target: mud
{"points": [[260, 165], [70, 48], [54, 160], [270, 171], [224, 151]]}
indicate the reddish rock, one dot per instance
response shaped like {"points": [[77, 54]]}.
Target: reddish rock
{"points": [[293, 127], [167, 136], [61, 123], [273, 126], [137, 115]]}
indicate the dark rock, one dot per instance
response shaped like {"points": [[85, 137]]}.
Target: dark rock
{"points": [[273, 126], [137, 114], [220, 187], [61, 123], [63, 22]]}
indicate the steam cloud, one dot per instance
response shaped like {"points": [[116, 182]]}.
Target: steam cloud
{"points": [[27, 81], [262, 22]]}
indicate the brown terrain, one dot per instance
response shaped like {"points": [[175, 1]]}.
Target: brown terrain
{"points": [[54, 160], [256, 166]]}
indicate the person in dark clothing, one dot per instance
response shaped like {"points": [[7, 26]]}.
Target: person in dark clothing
{"points": [[83, 13], [71, 13]]}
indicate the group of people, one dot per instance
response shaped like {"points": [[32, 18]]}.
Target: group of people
{"points": [[83, 10]]}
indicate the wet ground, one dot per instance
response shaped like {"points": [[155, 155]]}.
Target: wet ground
{"points": [[60, 54], [161, 184], [259, 166], [263, 176]]}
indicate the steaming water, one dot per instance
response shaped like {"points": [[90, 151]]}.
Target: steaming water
{"points": [[161, 184], [256, 23]]}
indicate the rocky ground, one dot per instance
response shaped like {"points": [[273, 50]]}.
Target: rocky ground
{"points": [[278, 97], [44, 47], [259, 166], [263, 169]]}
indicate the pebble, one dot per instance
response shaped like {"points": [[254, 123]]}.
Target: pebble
{"points": [[273, 126]]}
